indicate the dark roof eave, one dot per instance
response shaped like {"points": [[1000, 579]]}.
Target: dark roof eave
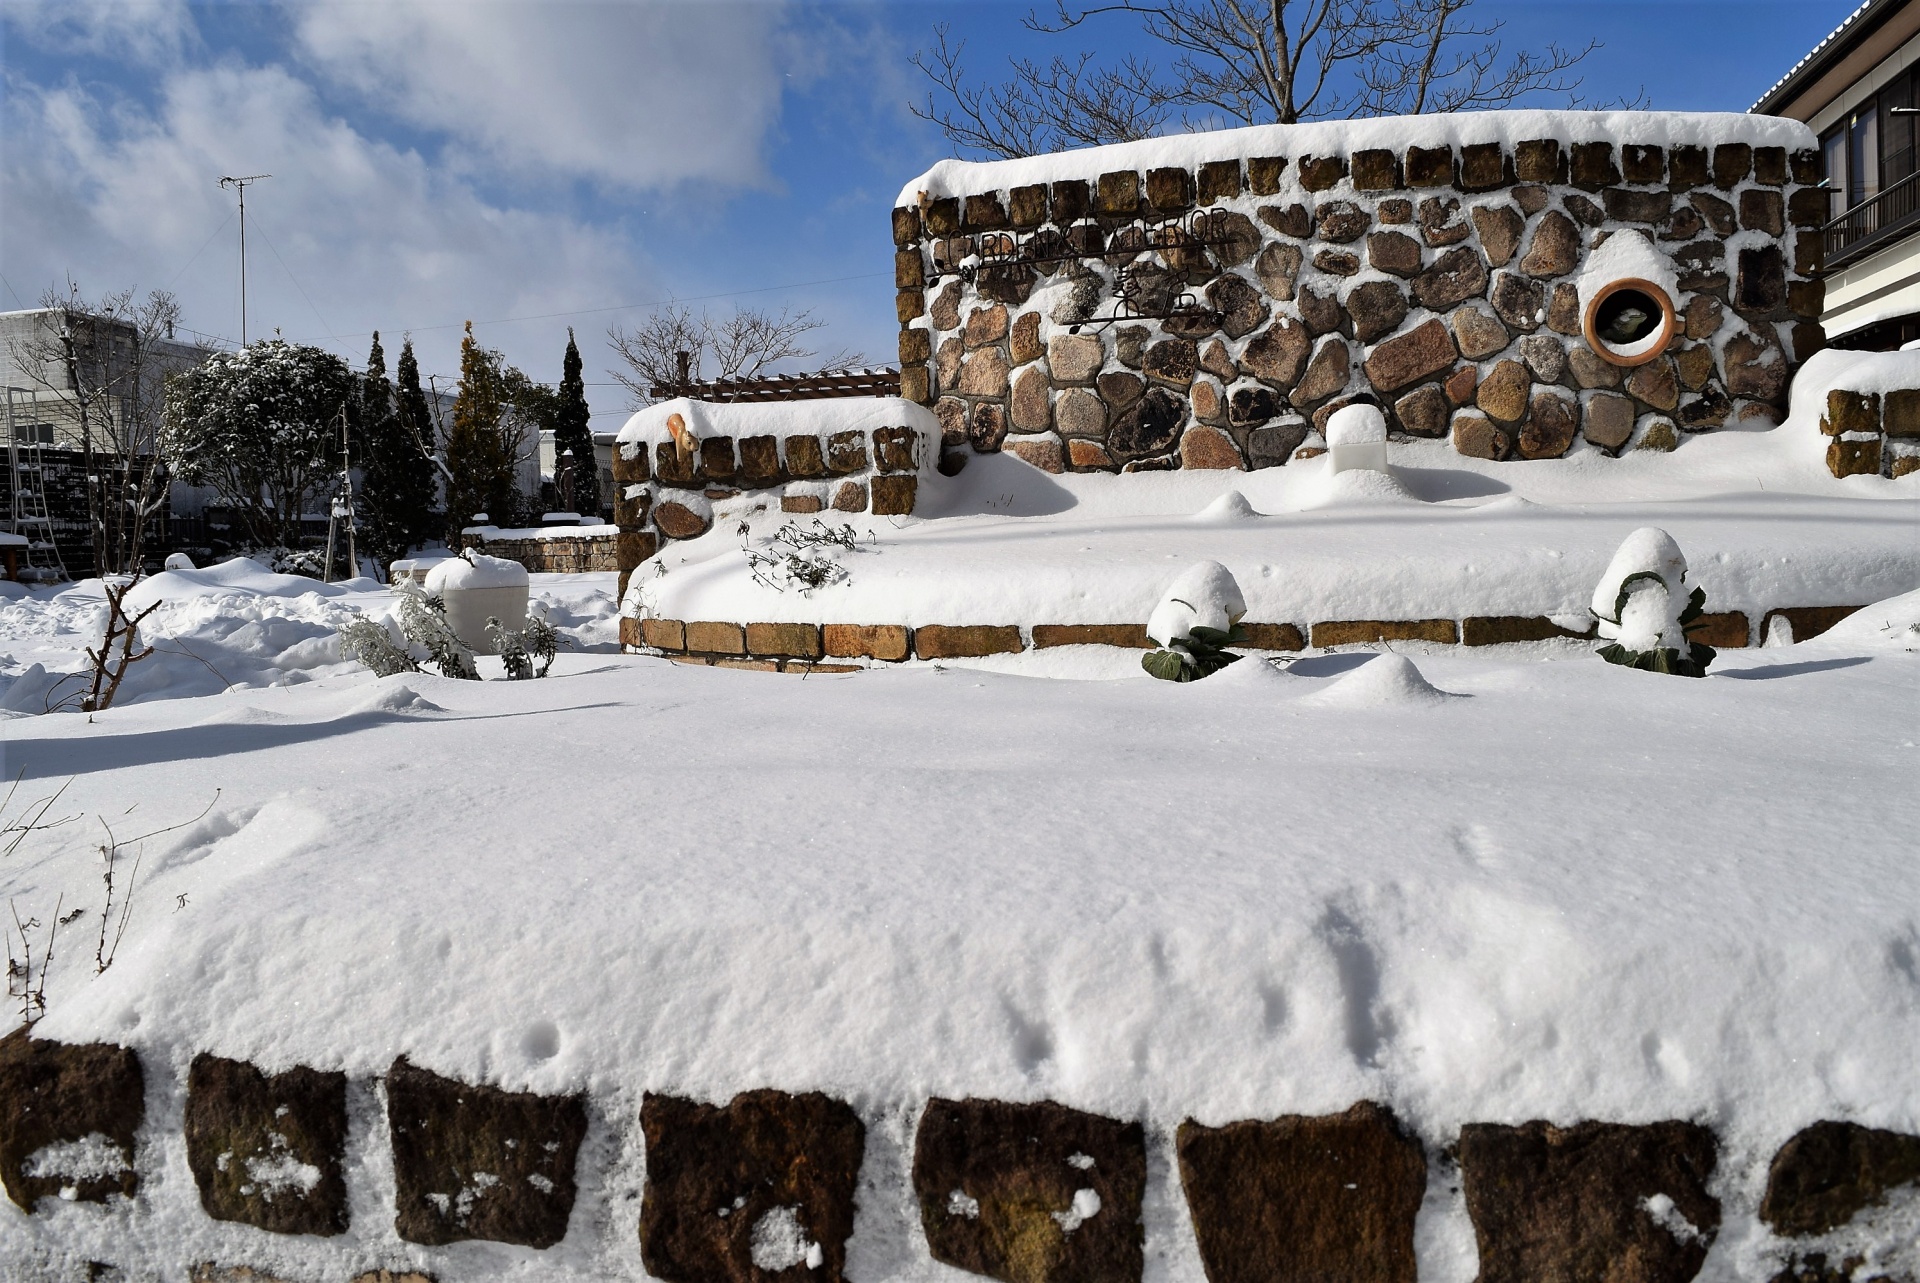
{"points": [[1840, 42]]}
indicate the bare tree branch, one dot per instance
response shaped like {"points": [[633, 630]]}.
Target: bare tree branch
{"points": [[746, 345]]}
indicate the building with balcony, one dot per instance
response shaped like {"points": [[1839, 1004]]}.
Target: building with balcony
{"points": [[1859, 90]]}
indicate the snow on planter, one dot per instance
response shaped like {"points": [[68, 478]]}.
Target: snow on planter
{"points": [[1193, 622], [1646, 607], [1211, 300], [476, 588], [1357, 439]]}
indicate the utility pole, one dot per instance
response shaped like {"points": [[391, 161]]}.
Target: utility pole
{"points": [[240, 185]]}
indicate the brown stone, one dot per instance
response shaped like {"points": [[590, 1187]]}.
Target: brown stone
{"points": [[1585, 210], [1087, 455], [1118, 194], [906, 225], [1071, 201], [965, 641], [1375, 170], [1900, 414], [1483, 167], [1131, 636], [1853, 458], [759, 460], [1441, 223], [944, 311], [1717, 213], [1608, 422], [1327, 373], [1809, 253], [1591, 370], [1546, 358], [1539, 161], [1170, 189], [1341, 221], [797, 641], [1337, 262], [1032, 408], [1366, 632], [1643, 163], [1531, 200], [1563, 310], [1761, 283], [444, 1132], [242, 1125], [997, 1185], [1808, 338], [1149, 426], [1219, 180], [717, 1174], [1763, 211], [1755, 365], [1424, 412], [1705, 411], [630, 464], [1241, 308], [1659, 435], [802, 503], [1394, 252], [1171, 361], [1420, 353], [985, 374], [1655, 384], [1703, 315], [946, 363], [1583, 1213], [1272, 445], [1550, 427], [1807, 299], [664, 634], [1024, 345], [1478, 437], [1322, 312], [1398, 211], [1279, 355], [916, 347], [1027, 206], [1462, 384], [630, 637], [1500, 228], [1456, 276], [1687, 167], [1288, 220], [631, 547], [52, 1093], [1503, 630], [1808, 622], [1477, 334], [1304, 1200], [1429, 167], [1203, 447], [1278, 268], [1808, 207], [1075, 358], [1694, 365], [894, 495], [676, 520], [983, 213], [1080, 413], [715, 637], [888, 642], [1317, 173], [847, 452], [850, 496], [1723, 630], [1503, 393], [1209, 401], [1555, 247], [909, 270], [1377, 308], [1251, 406], [1263, 174], [896, 449], [1593, 167], [985, 325], [1215, 360], [950, 411], [1684, 224], [1625, 206], [1045, 453], [1731, 163]]}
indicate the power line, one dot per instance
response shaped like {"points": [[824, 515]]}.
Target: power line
{"points": [[203, 249], [296, 280]]}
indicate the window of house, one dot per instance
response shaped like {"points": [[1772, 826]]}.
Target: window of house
{"points": [[1833, 158]]}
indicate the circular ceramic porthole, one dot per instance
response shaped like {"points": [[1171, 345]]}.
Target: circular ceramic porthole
{"points": [[1629, 321]]}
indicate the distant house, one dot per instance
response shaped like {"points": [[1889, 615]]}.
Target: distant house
{"points": [[1859, 90]]}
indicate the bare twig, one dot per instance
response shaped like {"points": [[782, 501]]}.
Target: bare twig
{"points": [[123, 630], [104, 951]]}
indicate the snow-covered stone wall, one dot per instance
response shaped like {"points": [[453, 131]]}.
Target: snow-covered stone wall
{"points": [[1207, 301]]}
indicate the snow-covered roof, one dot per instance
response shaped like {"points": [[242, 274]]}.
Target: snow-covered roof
{"points": [[1343, 137], [1819, 52], [775, 418]]}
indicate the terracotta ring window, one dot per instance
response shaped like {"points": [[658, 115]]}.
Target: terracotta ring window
{"points": [[1629, 321]]}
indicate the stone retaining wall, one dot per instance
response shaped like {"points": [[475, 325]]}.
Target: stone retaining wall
{"points": [[595, 548], [841, 647], [1265, 292], [1870, 434], [1027, 1192]]}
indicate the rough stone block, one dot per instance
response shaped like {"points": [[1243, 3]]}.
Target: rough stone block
{"points": [[759, 1189], [1086, 455], [916, 347], [1687, 167], [1318, 173], [1327, 373], [983, 213], [1724, 630], [1027, 206], [1851, 412], [794, 641], [676, 520], [1548, 433], [630, 464], [54, 1094], [1047, 453], [802, 503], [631, 547], [1853, 459], [1287, 220], [1642, 163], [1808, 207], [1484, 167], [906, 225], [1031, 1193], [1540, 160], [447, 1134], [1075, 358], [1731, 163], [1499, 630], [965, 641], [1304, 1200], [1219, 180], [850, 496], [1375, 170], [890, 642], [1424, 412], [664, 634], [1808, 621], [715, 637], [1593, 167], [909, 270], [1071, 201], [1571, 1203], [1273, 445], [1624, 205], [1263, 174], [846, 452], [1394, 252], [1272, 637], [1132, 636], [1362, 632], [673, 468], [1208, 448], [894, 449], [1170, 189], [1478, 437], [1420, 353], [942, 217], [630, 635], [267, 1151], [1452, 279], [1900, 414], [987, 427], [1119, 194], [916, 385], [1608, 421], [1429, 167]]}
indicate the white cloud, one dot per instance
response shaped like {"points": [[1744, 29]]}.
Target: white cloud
{"points": [[376, 236], [148, 31], [630, 94]]}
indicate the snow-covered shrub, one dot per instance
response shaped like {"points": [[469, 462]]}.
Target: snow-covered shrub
{"points": [[371, 644], [519, 649], [423, 620], [1645, 608], [798, 557], [1194, 623], [306, 562]]}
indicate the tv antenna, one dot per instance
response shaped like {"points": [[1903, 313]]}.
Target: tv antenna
{"points": [[240, 185]]}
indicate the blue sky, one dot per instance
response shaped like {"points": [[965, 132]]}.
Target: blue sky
{"points": [[531, 166]]}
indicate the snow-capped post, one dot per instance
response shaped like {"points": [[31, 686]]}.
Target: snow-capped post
{"points": [[1357, 439], [1645, 608], [1194, 623]]}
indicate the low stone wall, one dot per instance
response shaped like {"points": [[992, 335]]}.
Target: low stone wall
{"points": [[817, 647], [1871, 434], [1030, 1192], [1212, 317], [556, 550]]}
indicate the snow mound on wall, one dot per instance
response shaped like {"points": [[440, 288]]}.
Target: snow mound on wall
{"points": [[780, 418], [1386, 681], [1832, 369], [473, 571], [1893, 624], [1356, 425], [1205, 595], [1335, 137], [1228, 508]]}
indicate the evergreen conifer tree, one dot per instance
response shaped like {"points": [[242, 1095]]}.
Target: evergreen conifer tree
{"points": [[415, 478], [572, 433], [473, 442], [396, 489]]}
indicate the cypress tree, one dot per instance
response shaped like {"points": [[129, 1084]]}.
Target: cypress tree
{"points": [[414, 477], [473, 442], [572, 433]]}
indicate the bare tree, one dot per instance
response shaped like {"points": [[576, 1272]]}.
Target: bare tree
{"points": [[1242, 62], [746, 345], [103, 366]]}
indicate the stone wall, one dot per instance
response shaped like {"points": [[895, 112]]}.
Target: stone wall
{"points": [[1213, 317], [1872, 434], [1028, 1192], [558, 550]]}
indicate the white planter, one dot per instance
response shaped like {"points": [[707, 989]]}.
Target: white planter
{"points": [[476, 590]]}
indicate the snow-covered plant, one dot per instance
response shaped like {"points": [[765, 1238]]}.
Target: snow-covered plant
{"points": [[519, 649], [797, 557], [423, 620], [1646, 609], [1194, 623], [371, 644]]}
